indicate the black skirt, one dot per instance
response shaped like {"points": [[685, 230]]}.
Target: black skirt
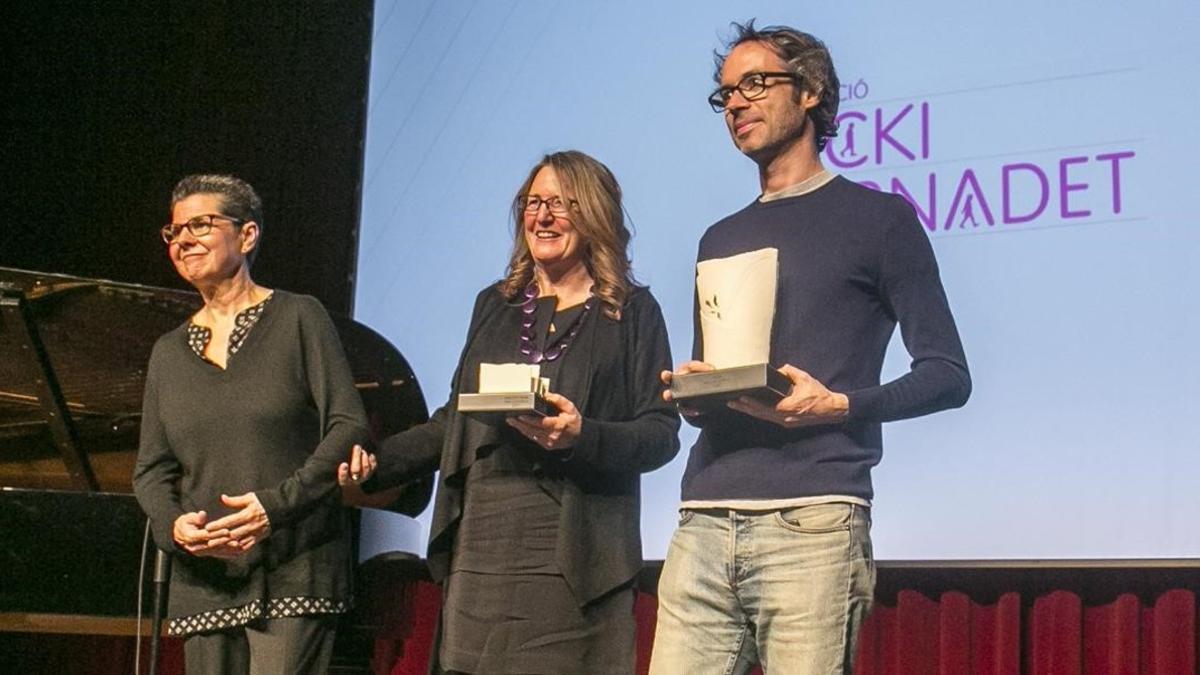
{"points": [[531, 624]]}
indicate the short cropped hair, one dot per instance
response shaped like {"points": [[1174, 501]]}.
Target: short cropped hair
{"points": [[238, 199]]}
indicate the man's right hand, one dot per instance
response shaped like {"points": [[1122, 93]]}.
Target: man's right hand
{"points": [[191, 536], [683, 369]]}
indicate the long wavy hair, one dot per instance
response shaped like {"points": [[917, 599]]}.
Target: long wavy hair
{"points": [[598, 217]]}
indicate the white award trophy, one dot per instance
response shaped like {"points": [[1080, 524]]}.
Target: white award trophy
{"points": [[507, 390], [737, 307]]}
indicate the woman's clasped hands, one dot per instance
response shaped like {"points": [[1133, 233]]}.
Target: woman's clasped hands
{"points": [[225, 537]]}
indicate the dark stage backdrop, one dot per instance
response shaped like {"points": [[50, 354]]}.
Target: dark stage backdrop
{"points": [[108, 104]]}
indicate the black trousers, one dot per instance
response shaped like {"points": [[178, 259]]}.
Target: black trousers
{"points": [[300, 645]]}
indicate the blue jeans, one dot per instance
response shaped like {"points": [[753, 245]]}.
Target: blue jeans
{"points": [[788, 589]]}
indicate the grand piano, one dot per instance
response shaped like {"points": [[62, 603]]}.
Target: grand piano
{"points": [[73, 552]]}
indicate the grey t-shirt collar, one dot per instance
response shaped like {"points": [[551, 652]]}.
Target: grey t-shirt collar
{"points": [[813, 182]]}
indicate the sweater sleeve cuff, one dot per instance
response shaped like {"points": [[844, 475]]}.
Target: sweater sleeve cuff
{"points": [[272, 503], [164, 533], [864, 404], [586, 446]]}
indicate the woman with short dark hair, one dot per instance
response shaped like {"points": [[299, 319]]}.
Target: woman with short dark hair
{"points": [[248, 409]]}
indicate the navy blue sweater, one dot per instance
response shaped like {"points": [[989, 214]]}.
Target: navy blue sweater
{"points": [[853, 263]]}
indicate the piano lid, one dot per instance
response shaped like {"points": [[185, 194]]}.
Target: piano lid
{"points": [[73, 354]]}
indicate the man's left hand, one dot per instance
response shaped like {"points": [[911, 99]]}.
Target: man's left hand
{"points": [[810, 403]]}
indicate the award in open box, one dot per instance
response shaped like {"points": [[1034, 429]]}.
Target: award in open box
{"points": [[507, 390], [736, 297]]}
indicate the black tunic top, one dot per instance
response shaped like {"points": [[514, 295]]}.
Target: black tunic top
{"points": [[277, 422], [508, 498], [610, 372]]}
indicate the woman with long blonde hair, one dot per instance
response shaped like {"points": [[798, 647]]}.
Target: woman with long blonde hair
{"points": [[535, 533]]}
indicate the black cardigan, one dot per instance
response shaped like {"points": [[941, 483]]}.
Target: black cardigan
{"points": [[611, 374]]}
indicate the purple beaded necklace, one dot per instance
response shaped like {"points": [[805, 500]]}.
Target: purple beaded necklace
{"points": [[529, 344]]}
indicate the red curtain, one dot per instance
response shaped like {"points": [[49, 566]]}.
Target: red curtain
{"points": [[1055, 634], [1051, 634]]}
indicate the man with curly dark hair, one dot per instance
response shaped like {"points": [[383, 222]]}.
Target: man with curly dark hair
{"points": [[771, 563]]}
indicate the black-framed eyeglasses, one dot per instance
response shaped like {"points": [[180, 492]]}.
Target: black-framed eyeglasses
{"points": [[557, 205], [752, 87], [198, 226]]}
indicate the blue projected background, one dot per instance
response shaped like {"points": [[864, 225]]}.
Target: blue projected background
{"points": [[1048, 147]]}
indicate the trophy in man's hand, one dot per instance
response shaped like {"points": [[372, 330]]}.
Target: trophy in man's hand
{"points": [[736, 298]]}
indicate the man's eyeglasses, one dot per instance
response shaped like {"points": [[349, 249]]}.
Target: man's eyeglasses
{"points": [[198, 226], [557, 205], [752, 87]]}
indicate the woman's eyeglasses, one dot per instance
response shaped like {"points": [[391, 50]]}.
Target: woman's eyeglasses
{"points": [[557, 205], [198, 226]]}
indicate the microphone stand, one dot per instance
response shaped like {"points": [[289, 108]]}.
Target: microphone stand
{"points": [[162, 574]]}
